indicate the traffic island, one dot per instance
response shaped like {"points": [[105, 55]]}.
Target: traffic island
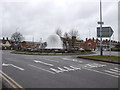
{"points": [[109, 59], [38, 53]]}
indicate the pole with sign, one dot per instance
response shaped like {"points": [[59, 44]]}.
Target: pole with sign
{"points": [[103, 31], [101, 52]]}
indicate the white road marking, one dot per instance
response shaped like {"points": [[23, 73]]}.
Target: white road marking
{"points": [[56, 70], [12, 65], [50, 60], [61, 69], [74, 60], [76, 68], [117, 68], [111, 72], [65, 69], [101, 72], [114, 70], [92, 65], [70, 69], [43, 63], [41, 69]]}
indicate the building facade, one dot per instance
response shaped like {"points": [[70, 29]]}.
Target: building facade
{"points": [[5, 44]]}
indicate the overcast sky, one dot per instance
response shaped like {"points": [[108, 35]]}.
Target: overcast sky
{"points": [[40, 18]]}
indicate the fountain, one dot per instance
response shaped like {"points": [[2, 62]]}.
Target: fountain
{"points": [[54, 42]]}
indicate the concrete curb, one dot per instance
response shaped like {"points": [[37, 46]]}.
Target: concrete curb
{"points": [[98, 60]]}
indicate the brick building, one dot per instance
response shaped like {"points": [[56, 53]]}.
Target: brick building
{"points": [[89, 44]]}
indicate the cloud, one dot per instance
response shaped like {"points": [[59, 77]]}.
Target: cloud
{"points": [[40, 19]]}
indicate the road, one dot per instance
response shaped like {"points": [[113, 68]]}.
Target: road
{"points": [[37, 71]]}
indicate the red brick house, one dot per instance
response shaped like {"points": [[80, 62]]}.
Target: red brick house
{"points": [[89, 44]]}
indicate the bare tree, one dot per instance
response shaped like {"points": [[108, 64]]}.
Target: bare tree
{"points": [[66, 40], [16, 37], [59, 32], [74, 32], [66, 35]]}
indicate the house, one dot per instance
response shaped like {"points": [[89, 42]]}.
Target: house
{"points": [[5, 44], [72, 43], [32, 45], [89, 44], [92, 44]]}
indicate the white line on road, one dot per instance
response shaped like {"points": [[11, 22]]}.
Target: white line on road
{"points": [[50, 60], [111, 72], [43, 63], [41, 68], [101, 72], [13, 66], [114, 70], [74, 60], [117, 68]]}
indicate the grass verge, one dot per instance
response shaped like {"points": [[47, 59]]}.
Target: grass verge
{"points": [[38, 53], [105, 58]]}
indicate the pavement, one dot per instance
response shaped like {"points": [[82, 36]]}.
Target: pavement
{"points": [[37, 71]]}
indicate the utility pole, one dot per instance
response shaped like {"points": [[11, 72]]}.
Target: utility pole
{"points": [[101, 51]]}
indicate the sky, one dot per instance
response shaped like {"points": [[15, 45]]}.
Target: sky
{"points": [[41, 18]]}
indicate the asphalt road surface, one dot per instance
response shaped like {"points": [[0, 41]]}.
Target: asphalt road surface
{"points": [[37, 71]]}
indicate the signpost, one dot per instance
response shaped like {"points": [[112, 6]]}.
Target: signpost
{"points": [[106, 32], [101, 23], [103, 31]]}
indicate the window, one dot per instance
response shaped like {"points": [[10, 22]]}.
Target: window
{"points": [[89, 44]]}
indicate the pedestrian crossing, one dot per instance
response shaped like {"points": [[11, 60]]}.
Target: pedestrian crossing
{"points": [[113, 71]]}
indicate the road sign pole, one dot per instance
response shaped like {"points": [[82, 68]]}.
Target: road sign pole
{"points": [[101, 51]]}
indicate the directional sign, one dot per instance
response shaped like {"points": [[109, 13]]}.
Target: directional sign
{"points": [[106, 32]]}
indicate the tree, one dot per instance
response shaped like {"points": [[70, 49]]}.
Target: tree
{"points": [[66, 35], [66, 40], [74, 32], [16, 38], [59, 32]]}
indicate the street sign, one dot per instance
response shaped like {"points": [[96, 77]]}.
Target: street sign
{"points": [[106, 32], [100, 22]]}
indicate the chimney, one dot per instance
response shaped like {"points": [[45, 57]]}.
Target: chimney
{"points": [[93, 39], [86, 39], [7, 38], [3, 38], [74, 38]]}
